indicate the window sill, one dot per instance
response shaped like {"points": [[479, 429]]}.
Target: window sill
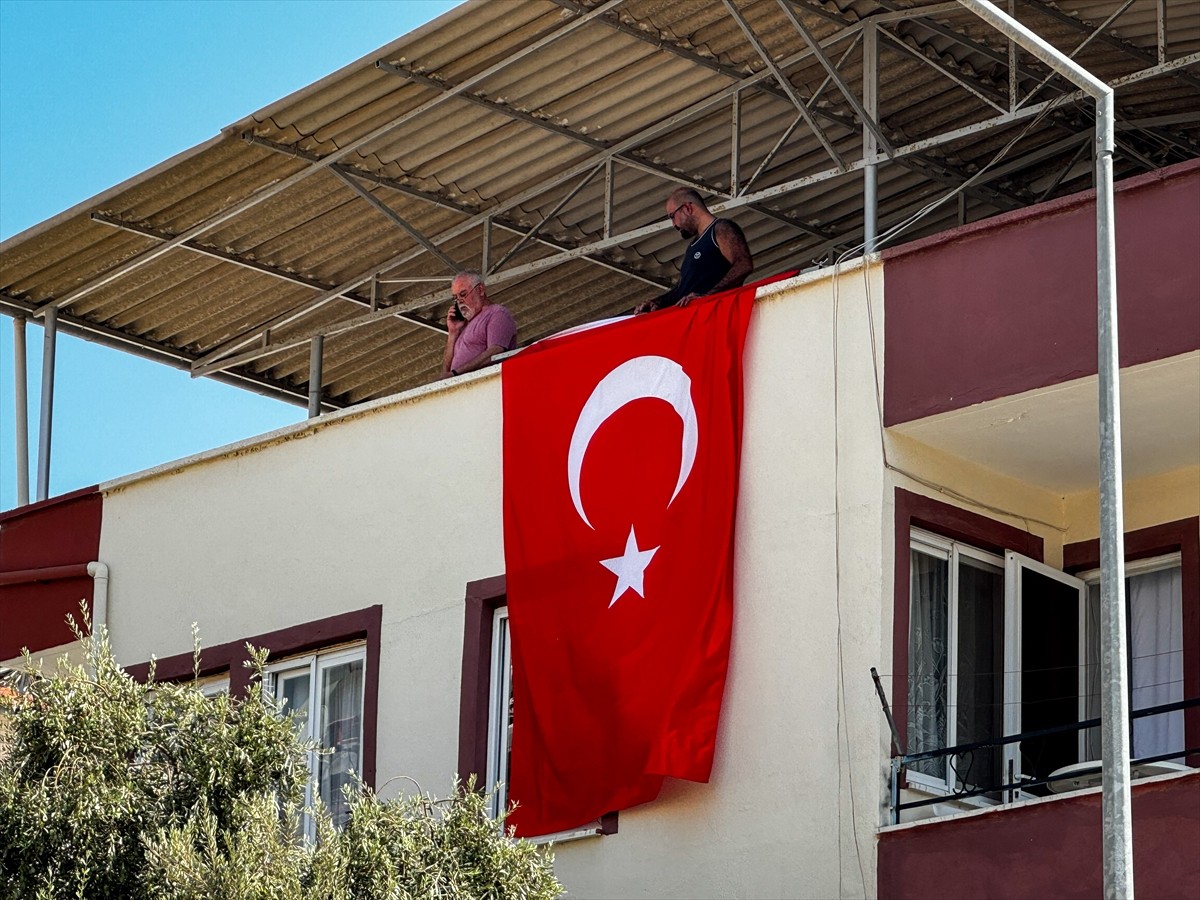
{"points": [[605, 825]]}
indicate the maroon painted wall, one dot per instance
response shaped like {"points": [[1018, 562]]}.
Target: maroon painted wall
{"points": [[1049, 849], [62, 531], [1009, 304]]}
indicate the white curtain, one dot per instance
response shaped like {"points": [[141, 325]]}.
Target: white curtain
{"points": [[1156, 648], [1155, 603], [341, 732], [928, 641]]}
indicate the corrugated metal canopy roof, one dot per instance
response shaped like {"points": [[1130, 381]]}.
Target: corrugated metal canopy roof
{"points": [[561, 125]]}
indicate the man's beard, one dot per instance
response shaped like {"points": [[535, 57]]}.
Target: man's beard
{"points": [[686, 232]]}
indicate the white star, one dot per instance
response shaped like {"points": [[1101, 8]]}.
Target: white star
{"points": [[630, 568]]}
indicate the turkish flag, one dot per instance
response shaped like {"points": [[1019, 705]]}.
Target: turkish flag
{"points": [[621, 453]]}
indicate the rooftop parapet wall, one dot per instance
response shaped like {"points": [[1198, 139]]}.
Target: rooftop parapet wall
{"points": [[1009, 304]]}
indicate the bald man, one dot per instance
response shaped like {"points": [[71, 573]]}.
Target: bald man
{"points": [[717, 257]]}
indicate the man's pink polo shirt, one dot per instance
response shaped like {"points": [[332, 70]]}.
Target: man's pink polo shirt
{"points": [[494, 326]]}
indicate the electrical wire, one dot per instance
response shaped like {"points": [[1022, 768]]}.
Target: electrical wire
{"points": [[843, 730]]}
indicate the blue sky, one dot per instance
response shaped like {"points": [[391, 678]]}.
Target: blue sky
{"points": [[92, 93]]}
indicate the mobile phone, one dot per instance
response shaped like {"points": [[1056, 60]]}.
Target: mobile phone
{"points": [[458, 312]]}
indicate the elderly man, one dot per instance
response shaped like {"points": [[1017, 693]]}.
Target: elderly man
{"points": [[717, 258], [478, 328]]}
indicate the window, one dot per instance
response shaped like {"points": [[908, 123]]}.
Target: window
{"points": [[1162, 596], [956, 654], [328, 668], [989, 642], [499, 753], [213, 685], [1154, 619], [993, 651], [486, 705], [325, 692]]}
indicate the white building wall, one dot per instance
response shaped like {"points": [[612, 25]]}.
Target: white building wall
{"points": [[400, 504]]}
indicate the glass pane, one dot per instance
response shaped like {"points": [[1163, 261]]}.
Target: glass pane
{"points": [[928, 629], [1049, 673], [979, 715], [294, 690], [500, 750], [1091, 671], [341, 732]]}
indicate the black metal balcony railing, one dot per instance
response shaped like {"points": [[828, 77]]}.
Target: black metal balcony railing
{"points": [[1014, 783]]}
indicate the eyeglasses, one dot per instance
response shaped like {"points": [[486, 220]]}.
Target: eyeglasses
{"points": [[463, 295], [671, 214]]}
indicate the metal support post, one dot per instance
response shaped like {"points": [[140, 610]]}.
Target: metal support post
{"points": [[1161, 17], [870, 144], [1114, 700], [50, 325], [609, 184], [735, 146], [314, 375], [1014, 73], [21, 399], [485, 261], [1114, 697]]}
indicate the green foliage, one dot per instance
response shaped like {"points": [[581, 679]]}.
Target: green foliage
{"points": [[420, 847], [113, 788]]}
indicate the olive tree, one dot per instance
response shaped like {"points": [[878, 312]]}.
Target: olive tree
{"points": [[111, 787]]}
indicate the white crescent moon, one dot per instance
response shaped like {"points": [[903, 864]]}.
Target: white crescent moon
{"points": [[642, 376]]}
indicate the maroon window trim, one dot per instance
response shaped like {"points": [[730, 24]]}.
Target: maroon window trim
{"points": [[483, 598], [918, 511], [1182, 537], [363, 624]]}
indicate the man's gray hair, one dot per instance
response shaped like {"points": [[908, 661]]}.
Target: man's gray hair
{"points": [[474, 276]]}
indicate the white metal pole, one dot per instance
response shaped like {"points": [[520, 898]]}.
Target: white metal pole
{"points": [[50, 325], [1114, 697], [21, 399], [870, 144], [1114, 702]]}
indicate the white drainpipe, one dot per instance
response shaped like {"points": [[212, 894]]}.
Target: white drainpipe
{"points": [[99, 573]]}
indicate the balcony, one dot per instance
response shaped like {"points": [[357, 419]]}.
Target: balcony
{"points": [[991, 336]]}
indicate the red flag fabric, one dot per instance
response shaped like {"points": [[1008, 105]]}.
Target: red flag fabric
{"points": [[621, 454]]}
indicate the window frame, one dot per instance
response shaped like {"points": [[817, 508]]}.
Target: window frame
{"points": [[315, 664], [499, 729], [1182, 536], [1091, 577], [229, 660], [931, 544], [1011, 564], [212, 685], [949, 523], [1014, 652]]}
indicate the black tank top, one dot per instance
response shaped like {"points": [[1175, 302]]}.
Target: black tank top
{"points": [[703, 265]]}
